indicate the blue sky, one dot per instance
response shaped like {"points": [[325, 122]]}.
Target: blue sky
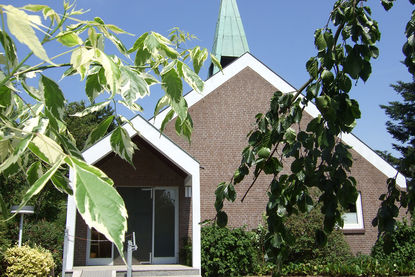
{"points": [[279, 33]]}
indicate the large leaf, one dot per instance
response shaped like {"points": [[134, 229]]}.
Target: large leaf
{"points": [[172, 84], [99, 131], [112, 70], [93, 87], [21, 26], [98, 202], [54, 98], [122, 144], [132, 86], [46, 149], [190, 77]]}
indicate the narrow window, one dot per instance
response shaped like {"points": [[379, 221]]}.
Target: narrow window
{"points": [[353, 217]]}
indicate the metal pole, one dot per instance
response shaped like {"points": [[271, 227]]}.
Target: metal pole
{"points": [[129, 258], [21, 230]]}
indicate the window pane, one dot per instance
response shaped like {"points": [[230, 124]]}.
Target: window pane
{"points": [[100, 246]]}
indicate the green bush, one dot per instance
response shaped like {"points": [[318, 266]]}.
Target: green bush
{"points": [[305, 249], [401, 245], [228, 252], [362, 265], [27, 261]]}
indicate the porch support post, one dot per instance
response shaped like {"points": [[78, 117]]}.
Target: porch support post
{"points": [[196, 242], [67, 262]]}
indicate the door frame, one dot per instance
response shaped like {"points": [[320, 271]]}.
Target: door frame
{"points": [[154, 260]]}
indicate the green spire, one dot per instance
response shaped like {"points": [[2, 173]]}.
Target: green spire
{"points": [[230, 40]]}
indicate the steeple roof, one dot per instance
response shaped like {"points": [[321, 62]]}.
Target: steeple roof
{"points": [[230, 39]]}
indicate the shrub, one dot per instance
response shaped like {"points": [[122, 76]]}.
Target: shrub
{"points": [[305, 250], [227, 252], [28, 261], [401, 245]]}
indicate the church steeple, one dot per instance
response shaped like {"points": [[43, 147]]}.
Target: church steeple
{"points": [[230, 40]]}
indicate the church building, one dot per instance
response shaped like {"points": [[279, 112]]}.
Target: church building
{"points": [[172, 188]]}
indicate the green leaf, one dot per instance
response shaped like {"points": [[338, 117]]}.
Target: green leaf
{"points": [[34, 172], [92, 109], [69, 39], [312, 67], [93, 87], [327, 76], [18, 151], [81, 59], [3, 209], [222, 219], [98, 202], [99, 131], [172, 84], [20, 25], [122, 144], [163, 102], [264, 152], [46, 149], [190, 77], [54, 98], [61, 183], [387, 4], [112, 71], [138, 43], [132, 86], [40, 183], [319, 40], [10, 48], [215, 61], [166, 120]]}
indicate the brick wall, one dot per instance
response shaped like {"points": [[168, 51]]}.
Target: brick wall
{"points": [[222, 120]]}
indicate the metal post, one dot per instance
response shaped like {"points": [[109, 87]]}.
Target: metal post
{"points": [[132, 246], [21, 230], [129, 258]]}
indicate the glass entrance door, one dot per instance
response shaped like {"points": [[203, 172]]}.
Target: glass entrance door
{"points": [[165, 226], [153, 216], [139, 204]]}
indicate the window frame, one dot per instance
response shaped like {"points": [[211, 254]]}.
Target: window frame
{"points": [[359, 212]]}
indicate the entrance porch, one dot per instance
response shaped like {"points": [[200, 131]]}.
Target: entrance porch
{"points": [[162, 197]]}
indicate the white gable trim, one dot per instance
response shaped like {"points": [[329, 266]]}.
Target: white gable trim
{"points": [[247, 60]]}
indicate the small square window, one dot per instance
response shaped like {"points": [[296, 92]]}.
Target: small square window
{"points": [[353, 217]]}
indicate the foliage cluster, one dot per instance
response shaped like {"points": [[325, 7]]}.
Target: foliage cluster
{"points": [[32, 116], [227, 252], [29, 262], [400, 245], [346, 45], [355, 266]]}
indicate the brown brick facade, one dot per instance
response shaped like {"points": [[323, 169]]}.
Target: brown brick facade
{"points": [[151, 170], [222, 120]]}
